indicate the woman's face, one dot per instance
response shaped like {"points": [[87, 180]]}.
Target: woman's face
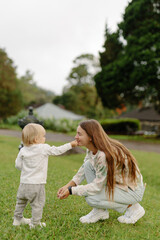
{"points": [[82, 137]]}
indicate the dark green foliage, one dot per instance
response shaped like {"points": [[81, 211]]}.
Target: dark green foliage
{"points": [[31, 93], [133, 75], [82, 100], [85, 66], [10, 96], [67, 99], [10, 102], [122, 126], [80, 95], [112, 47]]}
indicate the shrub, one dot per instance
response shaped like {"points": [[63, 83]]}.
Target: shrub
{"points": [[60, 125], [13, 120], [120, 126], [57, 125]]}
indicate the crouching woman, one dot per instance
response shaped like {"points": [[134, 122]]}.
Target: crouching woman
{"points": [[113, 178]]}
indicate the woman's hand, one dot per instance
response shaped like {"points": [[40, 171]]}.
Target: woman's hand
{"points": [[61, 191], [64, 195]]}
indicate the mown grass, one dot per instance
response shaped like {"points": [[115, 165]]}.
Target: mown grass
{"points": [[144, 138], [62, 216]]}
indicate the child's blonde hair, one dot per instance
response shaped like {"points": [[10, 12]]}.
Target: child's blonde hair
{"points": [[30, 132]]}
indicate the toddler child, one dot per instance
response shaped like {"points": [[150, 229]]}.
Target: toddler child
{"points": [[32, 161]]}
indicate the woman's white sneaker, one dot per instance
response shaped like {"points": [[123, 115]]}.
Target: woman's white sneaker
{"points": [[123, 218], [133, 214], [95, 215]]}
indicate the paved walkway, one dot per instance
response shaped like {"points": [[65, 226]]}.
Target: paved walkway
{"points": [[60, 137]]}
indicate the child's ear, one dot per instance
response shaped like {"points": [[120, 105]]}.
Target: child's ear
{"points": [[36, 140]]}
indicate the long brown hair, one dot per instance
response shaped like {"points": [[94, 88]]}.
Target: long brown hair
{"points": [[115, 153]]}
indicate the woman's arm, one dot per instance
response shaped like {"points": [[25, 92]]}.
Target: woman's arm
{"points": [[80, 176], [98, 183], [91, 188], [77, 179], [63, 192]]}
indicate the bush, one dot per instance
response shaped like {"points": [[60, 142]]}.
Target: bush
{"points": [[13, 120], [57, 125], [120, 126], [60, 125], [111, 126]]}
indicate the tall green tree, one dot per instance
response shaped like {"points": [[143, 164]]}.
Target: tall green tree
{"points": [[10, 96], [113, 47], [82, 100], [80, 95], [85, 67], [134, 75], [31, 93]]}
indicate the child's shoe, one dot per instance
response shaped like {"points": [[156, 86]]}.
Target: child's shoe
{"points": [[22, 221], [41, 224]]}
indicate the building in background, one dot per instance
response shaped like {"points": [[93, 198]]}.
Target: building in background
{"points": [[50, 110], [149, 118]]}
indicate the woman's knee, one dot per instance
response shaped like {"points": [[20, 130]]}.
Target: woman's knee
{"points": [[91, 201]]}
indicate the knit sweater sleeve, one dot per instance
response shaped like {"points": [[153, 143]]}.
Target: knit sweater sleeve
{"points": [[98, 183], [55, 151], [80, 176]]}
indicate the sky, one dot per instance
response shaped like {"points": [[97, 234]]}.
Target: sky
{"points": [[45, 36]]}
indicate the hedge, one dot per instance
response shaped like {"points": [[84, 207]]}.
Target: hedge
{"points": [[111, 126], [120, 126]]}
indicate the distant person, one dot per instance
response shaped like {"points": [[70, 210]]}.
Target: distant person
{"points": [[32, 161], [113, 178]]}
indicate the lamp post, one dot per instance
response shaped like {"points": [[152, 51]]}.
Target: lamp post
{"points": [[28, 119]]}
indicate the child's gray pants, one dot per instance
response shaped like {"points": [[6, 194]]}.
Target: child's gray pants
{"points": [[121, 198], [35, 195]]}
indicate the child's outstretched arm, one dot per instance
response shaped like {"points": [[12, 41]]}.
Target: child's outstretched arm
{"points": [[62, 149], [74, 143]]}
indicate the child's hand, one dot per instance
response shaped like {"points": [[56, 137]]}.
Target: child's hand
{"points": [[74, 143]]}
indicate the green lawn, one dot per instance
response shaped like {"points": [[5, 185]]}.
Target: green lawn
{"points": [[145, 138], [62, 216]]}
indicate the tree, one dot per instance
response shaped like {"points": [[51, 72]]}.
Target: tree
{"points": [[31, 93], [80, 95], [134, 74], [85, 67], [68, 99], [10, 96], [82, 100], [112, 46]]}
